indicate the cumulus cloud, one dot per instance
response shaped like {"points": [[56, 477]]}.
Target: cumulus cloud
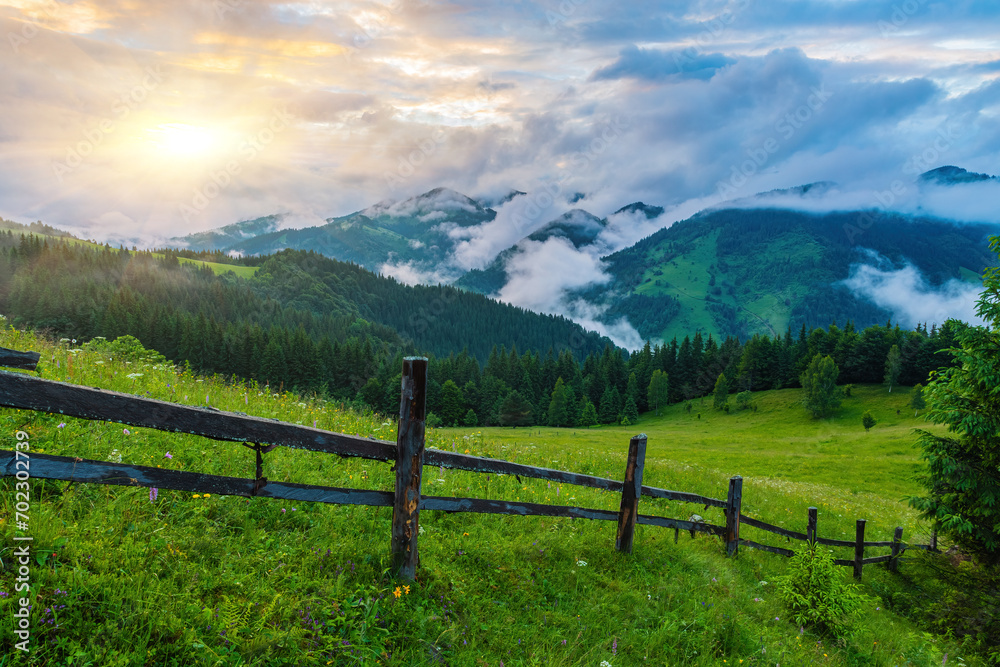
{"points": [[907, 294]]}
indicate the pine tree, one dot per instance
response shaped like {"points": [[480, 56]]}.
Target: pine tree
{"points": [[610, 405], [630, 411], [515, 411], [589, 415], [558, 414], [470, 418], [867, 420], [450, 405]]}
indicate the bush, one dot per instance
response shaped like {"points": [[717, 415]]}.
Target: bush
{"points": [[816, 593]]}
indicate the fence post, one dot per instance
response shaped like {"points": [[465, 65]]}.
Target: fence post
{"points": [[811, 528], [897, 540], [733, 504], [409, 467], [631, 492], [859, 548]]}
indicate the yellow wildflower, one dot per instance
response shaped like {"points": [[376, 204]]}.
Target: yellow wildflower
{"points": [[397, 592]]}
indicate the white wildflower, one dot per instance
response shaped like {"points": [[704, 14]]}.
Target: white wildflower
{"points": [[581, 563]]}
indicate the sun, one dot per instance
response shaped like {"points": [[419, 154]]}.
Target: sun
{"points": [[182, 140]]}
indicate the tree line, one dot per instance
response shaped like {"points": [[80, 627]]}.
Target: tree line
{"points": [[312, 324]]}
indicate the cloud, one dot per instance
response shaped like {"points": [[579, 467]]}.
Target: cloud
{"points": [[654, 64], [543, 274], [909, 297]]}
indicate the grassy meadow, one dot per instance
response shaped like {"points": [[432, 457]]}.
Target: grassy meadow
{"points": [[120, 578]]}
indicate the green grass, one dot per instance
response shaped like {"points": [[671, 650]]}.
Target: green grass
{"points": [[220, 269], [186, 580]]}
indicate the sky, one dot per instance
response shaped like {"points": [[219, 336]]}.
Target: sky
{"points": [[142, 120]]}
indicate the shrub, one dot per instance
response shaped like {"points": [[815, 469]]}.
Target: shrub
{"points": [[816, 593]]}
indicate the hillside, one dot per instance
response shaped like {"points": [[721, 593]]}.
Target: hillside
{"points": [[746, 271], [293, 319], [237, 581]]}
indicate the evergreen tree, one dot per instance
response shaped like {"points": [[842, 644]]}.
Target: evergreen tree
{"points": [[893, 364], [610, 405], [917, 401], [962, 481], [451, 405], [867, 420], [589, 415], [721, 393], [559, 412], [630, 411], [515, 411], [658, 391], [820, 384], [470, 418]]}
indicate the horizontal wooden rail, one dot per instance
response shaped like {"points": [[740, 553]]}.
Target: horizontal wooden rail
{"points": [[777, 530], [123, 474], [29, 393], [766, 547], [15, 359], [456, 461], [45, 466]]}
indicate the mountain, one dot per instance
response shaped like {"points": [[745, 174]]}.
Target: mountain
{"points": [[754, 265], [951, 175], [224, 238], [746, 271], [419, 231]]}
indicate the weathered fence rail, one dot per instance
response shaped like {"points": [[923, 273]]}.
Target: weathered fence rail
{"points": [[408, 453]]}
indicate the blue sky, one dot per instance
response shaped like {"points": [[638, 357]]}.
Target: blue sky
{"points": [[124, 119]]}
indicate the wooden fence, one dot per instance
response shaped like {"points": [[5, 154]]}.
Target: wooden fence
{"points": [[18, 390]]}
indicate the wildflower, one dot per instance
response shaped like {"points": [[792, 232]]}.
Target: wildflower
{"points": [[126, 431], [196, 496], [207, 495], [62, 425], [397, 592], [282, 510], [168, 455], [153, 491], [406, 589], [581, 563]]}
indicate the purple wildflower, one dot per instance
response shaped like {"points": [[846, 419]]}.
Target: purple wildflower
{"points": [[153, 491], [168, 455]]}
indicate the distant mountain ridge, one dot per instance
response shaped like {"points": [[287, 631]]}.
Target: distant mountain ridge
{"points": [[742, 267]]}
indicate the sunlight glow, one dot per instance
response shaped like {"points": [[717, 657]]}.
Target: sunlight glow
{"points": [[180, 139]]}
